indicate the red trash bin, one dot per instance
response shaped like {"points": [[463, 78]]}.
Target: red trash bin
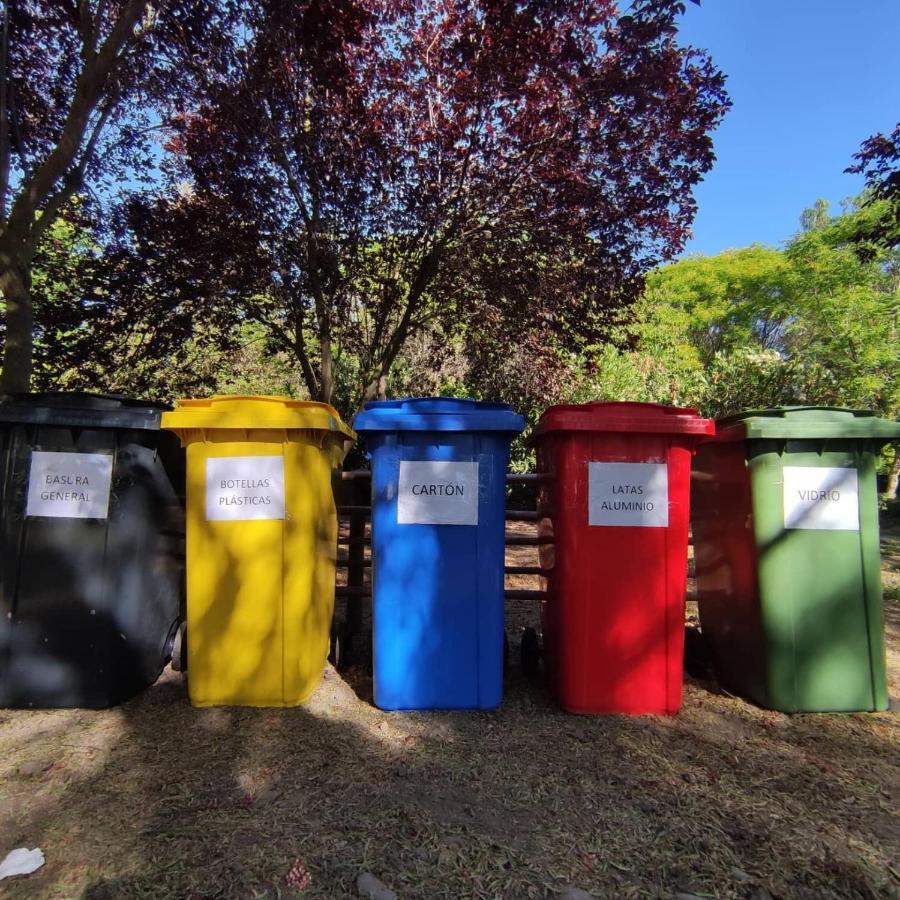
{"points": [[615, 503]]}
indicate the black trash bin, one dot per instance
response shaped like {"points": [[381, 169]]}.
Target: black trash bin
{"points": [[91, 548]]}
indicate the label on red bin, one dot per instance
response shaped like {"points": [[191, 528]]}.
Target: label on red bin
{"points": [[628, 494], [437, 493], [241, 488], [821, 498], [69, 485]]}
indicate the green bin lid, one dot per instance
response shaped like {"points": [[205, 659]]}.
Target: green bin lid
{"points": [[813, 422]]}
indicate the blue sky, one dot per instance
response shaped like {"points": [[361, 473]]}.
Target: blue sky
{"points": [[810, 80]]}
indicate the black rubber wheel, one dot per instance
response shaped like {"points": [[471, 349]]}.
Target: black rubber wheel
{"points": [[341, 650], [179, 648], [346, 648], [531, 652], [698, 660]]}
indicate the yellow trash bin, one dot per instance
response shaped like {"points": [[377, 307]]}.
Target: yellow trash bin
{"points": [[261, 545]]}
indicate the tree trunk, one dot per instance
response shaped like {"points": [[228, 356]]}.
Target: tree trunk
{"points": [[375, 389], [893, 479], [326, 372], [17, 354]]}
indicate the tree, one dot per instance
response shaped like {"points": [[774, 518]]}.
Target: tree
{"points": [[373, 169], [704, 305], [68, 294], [879, 161], [847, 314], [78, 84], [815, 323], [110, 316]]}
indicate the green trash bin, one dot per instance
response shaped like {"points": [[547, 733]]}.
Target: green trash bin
{"points": [[784, 509]]}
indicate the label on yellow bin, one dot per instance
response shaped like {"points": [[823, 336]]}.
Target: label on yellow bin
{"points": [[241, 488]]}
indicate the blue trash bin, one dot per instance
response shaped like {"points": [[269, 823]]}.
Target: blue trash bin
{"points": [[438, 500]]}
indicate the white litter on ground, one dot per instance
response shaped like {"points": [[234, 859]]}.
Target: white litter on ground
{"points": [[21, 862]]}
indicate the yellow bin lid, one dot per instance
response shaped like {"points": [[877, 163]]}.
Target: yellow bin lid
{"points": [[254, 412]]}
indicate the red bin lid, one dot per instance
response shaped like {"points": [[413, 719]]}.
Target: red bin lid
{"points": [[640, 418]]}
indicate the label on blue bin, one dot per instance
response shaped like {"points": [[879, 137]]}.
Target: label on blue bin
{"points": [[821, 498], [241, 488], [628, 494], [437, 493], [69, 485]]}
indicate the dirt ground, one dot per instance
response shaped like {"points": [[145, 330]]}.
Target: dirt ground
{"points": [[155, 799]]}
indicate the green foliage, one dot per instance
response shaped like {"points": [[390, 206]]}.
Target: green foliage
{"points": [[66, 293], [847, 316], [816, 323], [701, 306], [254, 367]]}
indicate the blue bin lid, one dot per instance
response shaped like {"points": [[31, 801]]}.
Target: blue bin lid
{"points": [[437, 414]]}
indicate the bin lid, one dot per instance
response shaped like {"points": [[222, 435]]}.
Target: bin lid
{"points": [[245, 412], [437, 414], [80, 410], [641, 418], [790, 422]]}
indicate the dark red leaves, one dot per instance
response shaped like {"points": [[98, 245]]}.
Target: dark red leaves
{"points": [[394, 164]]}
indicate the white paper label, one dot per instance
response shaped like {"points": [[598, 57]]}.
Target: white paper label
{"points": [[821, 499], [437, 493], [69, 485], [239, 488], [629, 494]]}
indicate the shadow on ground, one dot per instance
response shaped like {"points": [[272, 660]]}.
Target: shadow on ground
{"points": [[156, 799]]}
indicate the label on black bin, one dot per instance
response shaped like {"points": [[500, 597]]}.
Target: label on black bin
{"points": [[437, 493], [821, 498], [239, 488], [69, 485], [628, 494]]}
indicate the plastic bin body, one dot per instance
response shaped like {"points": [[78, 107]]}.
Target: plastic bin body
{"points": [[261, 546], [90, 572], [613, 614], [438, 605], [789, 585]]}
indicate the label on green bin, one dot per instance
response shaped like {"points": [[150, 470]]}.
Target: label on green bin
{"points": [[634, 495], [821, 498], [69, 485], [437, 493], [241, 488]]}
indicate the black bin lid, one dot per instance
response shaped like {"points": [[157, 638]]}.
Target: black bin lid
{"points": [[77, 410]]}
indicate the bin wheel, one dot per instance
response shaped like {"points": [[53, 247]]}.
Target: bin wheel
{"points": [[698, 662], [531, 652], [340, 651], [179, 648]]}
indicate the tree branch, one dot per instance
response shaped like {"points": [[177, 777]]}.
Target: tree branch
{"points": [[5, 148], [299, 348], [427, 270], [285, 163], [89, 87], [72, 183]]}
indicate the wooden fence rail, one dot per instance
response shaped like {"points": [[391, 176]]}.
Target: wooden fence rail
{"points": [[355, 536]]}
